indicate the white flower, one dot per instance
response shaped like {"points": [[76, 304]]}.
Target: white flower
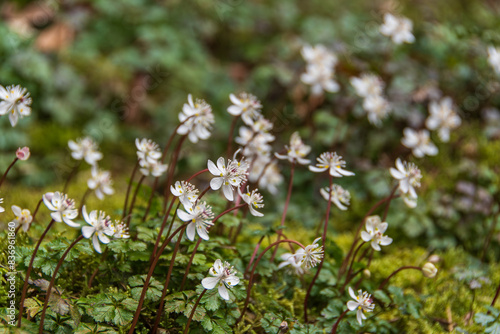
{"points": [[332, 162], [362, 303], [200, 216], [398, 28], [311, 255], [419, 142], [319, 55], [100, 182], [339, 196], [147, 150], [254, 201], [16, 102], [120, 230], [367, 85], [155, 168], [271, 177], [494, 58], [410, 201], [320, 79], [375, 233], [296, 151], [197, 119], [443, 117], [186, 192], [63, 207], [23, 217], [100, 228], [226, 177], [408, 175], [23, 153], [429, 270], [291, 260], [246, 105], [224, 276], [85, 148], [377, 108], [1, 208]]}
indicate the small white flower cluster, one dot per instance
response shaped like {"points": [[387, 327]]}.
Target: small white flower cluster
{"points": [[16, 102], [102, 228], [196, 120], [247, 106], [370, 87], [100, 181], [319, 69], [362, 303], [304, 258], [443, 118], [63, 208], [223, 276], [148, 153], [23, 217], [200, 216], [374, 233], [494, 58], [398, 28], [227, 177], [409, 176], [297, 151]]}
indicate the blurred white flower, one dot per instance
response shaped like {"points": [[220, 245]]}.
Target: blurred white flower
{"points": [[23, 217], [147, 150], [377, 108], [15, 101], [296, 151], [367, 85], [23, 153], [100, 181], [63, 207], [186, 192], [429, 270], [375, 229], [254, 201], [1, 208], [420, 142], [155, 168], [100, 228], [271, 177], [362, 303], [228, 177], [333, 163], [246, 105], [410, 201], [319, 55], [85, 148], [443, 118], [224, 276], [493, 58], [196, 120], [408, 175], [339, 196], [291, 260], [320, 79], [398, 28], [200, 216]]}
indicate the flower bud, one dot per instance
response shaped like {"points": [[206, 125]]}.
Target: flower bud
{"points": [[434, 258], [367, 273], [23, 153], [429, 270]]}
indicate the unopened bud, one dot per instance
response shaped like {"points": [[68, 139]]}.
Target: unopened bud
{"points": [[283, 326], [23, 153], [367, 273], [429, 270]]}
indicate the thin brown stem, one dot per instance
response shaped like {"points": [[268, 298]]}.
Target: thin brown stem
{"points": [[134, 197], [254, 254], [36, 209], [349, 271], [84, 198], [52, 281], [28, 272], [7, 171], [128, 190], [496, 297], [230, 137], [171, 171], [381, 286], [193, 310], [162, 227], [71, 175], [334, 328], [150, 201]]}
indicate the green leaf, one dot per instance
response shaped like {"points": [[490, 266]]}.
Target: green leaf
{"points": [[212, 302], [494, 329], [483, 319]]}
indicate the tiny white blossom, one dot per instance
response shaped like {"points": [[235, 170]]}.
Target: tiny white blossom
{"points": [[420, 142], [254, 201], [296, 151], [23, 217], [320, 79], [224, 276], [375, 229], [398, 28], [408, 175], [197, 119], [443, 118], [333, 163], [311, 255], [1, 208], [85, 148], [200, 217], [377, 108], [120, 230], [100, 182], [319, 55], [339, 196], [186, 192], [63, 207], [293, 261], [362, 303], [246, 105], [228, 177], [494, 58], [367, 85], [409, 199], [271, 177], [100, 229], [147, 150], [15, 101], [155, 168]]}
